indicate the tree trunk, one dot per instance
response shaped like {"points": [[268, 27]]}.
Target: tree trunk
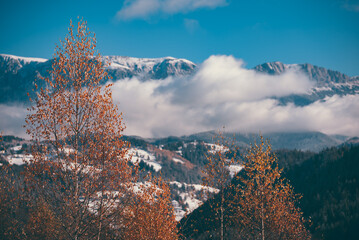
{"points": [[222, 220], [262, 218]]}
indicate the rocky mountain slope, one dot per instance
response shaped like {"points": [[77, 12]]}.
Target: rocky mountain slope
{"points": [[327, 82], [147, 68], [17, 74]]}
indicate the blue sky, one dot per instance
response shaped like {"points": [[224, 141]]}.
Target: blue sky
{"points": [[321, 32]]}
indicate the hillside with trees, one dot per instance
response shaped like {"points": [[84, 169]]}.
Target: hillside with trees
{"points": [[327, 182]]}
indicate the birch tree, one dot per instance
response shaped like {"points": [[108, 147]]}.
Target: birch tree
{"points": [[79, 168], [267, 205], [220, 158]]}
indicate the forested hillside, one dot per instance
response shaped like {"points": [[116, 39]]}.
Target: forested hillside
{"points": [[329, 185]]}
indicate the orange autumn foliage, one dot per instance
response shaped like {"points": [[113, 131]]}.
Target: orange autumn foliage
{"points": [[150, 216], [80, 168], [267, 205]]}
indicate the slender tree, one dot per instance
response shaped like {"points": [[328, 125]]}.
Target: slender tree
{"points": [[220, 158], [267, 204], [80, 169]]}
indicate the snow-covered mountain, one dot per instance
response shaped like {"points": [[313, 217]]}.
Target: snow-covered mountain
{"points": [[327, 82], [119, 66], [12, 64], [147, 68], [321, 75], [17, 74]]}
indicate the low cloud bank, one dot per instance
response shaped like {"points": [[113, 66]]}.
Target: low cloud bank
{"points": [[12, 120], [221, 93], [224, 93]]}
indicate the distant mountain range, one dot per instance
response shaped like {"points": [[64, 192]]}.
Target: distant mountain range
{"points": [[147, 68], [304, 141], [17, 75]]}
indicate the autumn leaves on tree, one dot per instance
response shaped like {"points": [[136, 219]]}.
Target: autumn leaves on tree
{"points": [[258, 203], [85, 180], [266, 203]]}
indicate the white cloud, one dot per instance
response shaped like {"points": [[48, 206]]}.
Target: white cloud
{"points": [[223, 92], [150, 113], [12, 120], [138, 9], [223, 79], [145, 8]]}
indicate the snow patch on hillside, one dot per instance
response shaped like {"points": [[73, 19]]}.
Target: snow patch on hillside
{"points": [[190, 195], [16, 148], [178, 160], [196, 187], [234, 169], [216, 148], [19, 159], [139, 155]]}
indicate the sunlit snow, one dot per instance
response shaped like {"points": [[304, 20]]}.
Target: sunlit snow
{"points": [[142, 155]]}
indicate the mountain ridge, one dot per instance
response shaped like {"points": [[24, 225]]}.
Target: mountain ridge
{"points": [[321, 74], [305, 141], [17, 75]]}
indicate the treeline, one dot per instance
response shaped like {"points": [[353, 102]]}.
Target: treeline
{"points": [[329, 183]]}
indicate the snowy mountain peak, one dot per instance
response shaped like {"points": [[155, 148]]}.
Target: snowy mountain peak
{"points": [[272, 67], [13, 64], [143, 63], [147, 68], [23, 60]]}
